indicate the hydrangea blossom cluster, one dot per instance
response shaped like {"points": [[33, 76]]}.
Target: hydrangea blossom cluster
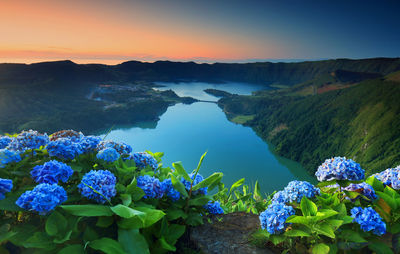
{"points": [[5, 186], [363, 188], [369, 220], [122, 148], [295, 191], [5, 141], [74, 136], [151, 186], [28, 140], [108, 154], [339, 168], [273, 219], [143, 159], [43, 198], [64, 148], [390, 177], [8, 156], [51, 172], [170, 191], [98, 185], [197, 180], [214, 207], [89, 143]]}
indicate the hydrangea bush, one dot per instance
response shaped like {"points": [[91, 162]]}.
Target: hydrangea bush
{"points": [[345, 213], [71, 193]]}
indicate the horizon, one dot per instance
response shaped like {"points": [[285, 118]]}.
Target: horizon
{"points": [[223, 31]]}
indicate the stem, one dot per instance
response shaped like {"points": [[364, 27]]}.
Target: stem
{"points": [[95, 191]]}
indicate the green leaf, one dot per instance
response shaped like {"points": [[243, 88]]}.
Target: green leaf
{"points": [[107, 245], [308, 208], [299, 220], [72, 249], [257, 194], [126, 212], [200, 162], [88, 210], [55, 223], [388, 199], [380, 247], [352, 236], [39, 240], [152, 215], [375, 183], [8, 204], [173, 214], [325, 229], [200, 201], [136, 192], [165, 245], [335, 223], [126, 199], [325, 213], [326, 183], [181, 171], [277, 239], [175, 231], [296, 233], [178, 185], [320, 248], [208, 181], [132, 241], [104, 221], [237, 184]]}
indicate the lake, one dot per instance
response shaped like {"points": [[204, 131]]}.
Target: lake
{"points": [[185, 132]]}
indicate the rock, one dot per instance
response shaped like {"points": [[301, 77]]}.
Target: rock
{"points": [[227, 233]]}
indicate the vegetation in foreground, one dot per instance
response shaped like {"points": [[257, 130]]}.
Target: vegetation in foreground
{"points": [[70, 193]]}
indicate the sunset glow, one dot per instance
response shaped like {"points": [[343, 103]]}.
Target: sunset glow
{"points": [[115, 31]]}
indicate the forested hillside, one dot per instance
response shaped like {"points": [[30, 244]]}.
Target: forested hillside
{"points": [[360, 122]]}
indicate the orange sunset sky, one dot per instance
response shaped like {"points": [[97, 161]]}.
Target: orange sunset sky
{"points": [[114, 31]]}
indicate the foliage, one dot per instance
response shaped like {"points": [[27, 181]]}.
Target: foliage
{"points": [[87, 203], [348, 215]]}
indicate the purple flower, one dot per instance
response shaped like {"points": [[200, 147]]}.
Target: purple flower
{"points": [[143, 159], [151, 186], [273, 219], [8, 156], [214, 208], [64, 148], [108, 154], [369, 220], [173, 194], [4, 141], [28, 140], [121, 148]]}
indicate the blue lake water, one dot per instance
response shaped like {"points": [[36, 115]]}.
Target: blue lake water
{"points": [[185, 132]]}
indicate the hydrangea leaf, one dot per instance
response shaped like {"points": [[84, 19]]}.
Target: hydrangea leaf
{"points": [[55, 223], [126, 212], [181, 171], [296, 233], [380, 247], [88, 210], [375, 183], [74, 248], [308, 208], [208, 181], [352, 236], [325, 229], [104, 221], [200, 201], [107, 245], [320, 248], [132, 241], [388, 199]]}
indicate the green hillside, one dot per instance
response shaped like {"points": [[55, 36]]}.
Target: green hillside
{"points": [[361, 122]]}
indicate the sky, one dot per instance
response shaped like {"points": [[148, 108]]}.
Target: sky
{"points": [[105, 31]]}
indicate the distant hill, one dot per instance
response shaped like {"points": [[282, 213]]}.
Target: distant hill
{"points": [[361, 122], [261, 73]]}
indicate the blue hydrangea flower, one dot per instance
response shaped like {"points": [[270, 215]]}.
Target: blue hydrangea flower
{"points": [[390, 177], [28, 140], [51, 172], [43, 198], [363, 188], [8, 156], [89, 143], [198, 179], [339, 168], [108, 154], [280, 197], [122, 148], [214, 207], [64, 148], [274, 218], [295, 191], [151, 186], [98, 185], [74, 136], [4, 141], [173, 194], [369, 220], [5, 186], [143, 159]]}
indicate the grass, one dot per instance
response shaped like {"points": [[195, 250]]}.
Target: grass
{"points": [[242, 119]]}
